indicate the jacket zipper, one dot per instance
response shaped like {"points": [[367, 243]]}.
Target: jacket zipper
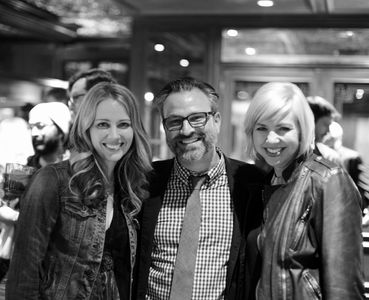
{"points": [[312, 285], [301, 224], [302, 178]]}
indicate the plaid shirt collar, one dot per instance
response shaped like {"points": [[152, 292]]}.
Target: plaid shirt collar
{"points": [[214, 173]]}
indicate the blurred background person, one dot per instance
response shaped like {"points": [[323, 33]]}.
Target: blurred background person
{"points": [[15, 147], [310, 243], [80, 83], [35, 144], [351, 160], [324, 114], [50, 123], [56, 95], [15, 141], [76, 234]]}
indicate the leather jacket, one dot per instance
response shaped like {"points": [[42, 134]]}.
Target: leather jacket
{"points": [[310, 242], [60, 241]]}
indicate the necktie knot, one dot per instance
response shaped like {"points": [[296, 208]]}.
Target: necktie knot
{"points": [[197, 181]]}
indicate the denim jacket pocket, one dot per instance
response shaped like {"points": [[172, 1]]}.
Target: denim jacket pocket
{"points": [[50, 274], [76, 215]]}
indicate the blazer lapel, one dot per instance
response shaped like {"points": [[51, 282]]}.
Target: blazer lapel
{"points": [[236, 234], [149, 216]]}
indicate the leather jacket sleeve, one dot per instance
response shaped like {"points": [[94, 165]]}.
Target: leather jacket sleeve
{"points": [[39, 209], [338, 225]]}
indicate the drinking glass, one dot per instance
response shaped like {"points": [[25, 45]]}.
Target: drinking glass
{"points": [[15, 181]]}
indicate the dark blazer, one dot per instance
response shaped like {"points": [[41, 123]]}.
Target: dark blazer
{"points": [[245, 183]]}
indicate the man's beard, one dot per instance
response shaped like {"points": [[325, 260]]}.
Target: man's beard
{"points": [[47, 147], [190, 153]]}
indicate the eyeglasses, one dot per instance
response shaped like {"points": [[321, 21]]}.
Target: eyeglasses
{"points": [[196, 120]]}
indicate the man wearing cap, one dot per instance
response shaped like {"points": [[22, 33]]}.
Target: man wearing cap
{"points": [[49, 124]]}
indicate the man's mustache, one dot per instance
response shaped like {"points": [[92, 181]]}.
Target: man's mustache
{"points": [[182, 137]]}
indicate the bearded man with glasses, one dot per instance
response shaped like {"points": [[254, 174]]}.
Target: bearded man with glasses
{"points": [[209, 261]]}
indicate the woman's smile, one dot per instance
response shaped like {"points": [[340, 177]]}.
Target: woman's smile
{"points": [[274, 151], [277, 141]]}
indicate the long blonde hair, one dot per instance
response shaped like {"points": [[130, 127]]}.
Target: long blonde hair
{"points": [[131, 171]]}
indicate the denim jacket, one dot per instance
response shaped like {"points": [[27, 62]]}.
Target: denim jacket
{"points": [[311, 239], [59, 241]]}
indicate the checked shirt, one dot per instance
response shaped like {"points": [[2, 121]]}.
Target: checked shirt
{"points": [[215, 235]]}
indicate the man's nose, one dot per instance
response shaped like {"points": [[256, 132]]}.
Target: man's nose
{"points": [[186, 128], [35, 131]]}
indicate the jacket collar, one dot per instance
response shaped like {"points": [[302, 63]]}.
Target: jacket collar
{"points": [[287, 173]]}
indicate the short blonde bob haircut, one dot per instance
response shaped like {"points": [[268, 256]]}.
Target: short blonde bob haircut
{"points": [[274, 101]]}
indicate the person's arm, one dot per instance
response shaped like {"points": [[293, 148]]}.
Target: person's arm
{"points": [[39, 209], [8, 215], [341, 241], [363, 183]]}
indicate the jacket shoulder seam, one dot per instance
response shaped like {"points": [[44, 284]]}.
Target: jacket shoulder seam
{"points": [[322, 166]]}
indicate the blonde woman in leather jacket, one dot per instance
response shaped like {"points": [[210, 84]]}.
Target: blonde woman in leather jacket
{"points": [[309, 245]]}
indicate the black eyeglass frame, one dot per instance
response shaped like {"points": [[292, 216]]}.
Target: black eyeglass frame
{"points": [[202, 124]]}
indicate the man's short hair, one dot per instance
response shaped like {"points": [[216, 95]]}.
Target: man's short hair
{"points": [[93, 76], [322, 108], [186, 84]]}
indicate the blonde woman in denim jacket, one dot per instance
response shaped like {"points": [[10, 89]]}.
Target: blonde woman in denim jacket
{"points": [[76, 233], [309, 245]]}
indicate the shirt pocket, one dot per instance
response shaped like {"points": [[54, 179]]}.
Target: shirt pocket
{"points": [[75, 217]]}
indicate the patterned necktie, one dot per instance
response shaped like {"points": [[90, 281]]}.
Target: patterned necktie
{"points": [[184, 268]]}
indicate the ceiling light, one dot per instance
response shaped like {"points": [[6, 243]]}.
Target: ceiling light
{"points": [[250, 51], [349, 33], [346, 34], [184, 63], [359, 94], [265, 3], [159, 47], [232, 32], [149, 96]]}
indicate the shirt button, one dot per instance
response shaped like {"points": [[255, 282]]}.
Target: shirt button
{"points": [[89, 274]]}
